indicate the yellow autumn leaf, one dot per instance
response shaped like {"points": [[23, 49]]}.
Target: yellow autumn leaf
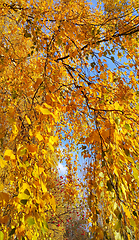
{"points": [[135, 173], [116, 105], [46, 197], [11, 111], [36, 171], [4, 198], [39, 136], [48, 128], [25, 186], [28, 120], [3, 163], [4, 220], [100, 233], [51, 146], [23, 196], [30, 133], [32, 148], [40, 170], [52, 202], [115, 171], [1, 186], [51, 140], [37, 83], [9, 155], [123, 190], [15, 129], [110, 76], [45, 111], [19, 146], [47, 106], [44, 151], [132, 222], [24, 191], [44, 189], [126, 210]]}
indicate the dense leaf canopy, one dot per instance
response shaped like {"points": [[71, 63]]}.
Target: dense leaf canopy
{"points": [[69, 74]]}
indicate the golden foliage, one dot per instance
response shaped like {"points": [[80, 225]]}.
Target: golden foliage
{"points": [[69, 72]]}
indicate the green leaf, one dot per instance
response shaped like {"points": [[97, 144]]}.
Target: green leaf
{"points": [[112, 58], [83, 147], [118, 213], [107, 220], [117, 121], [135, 214], [59, 41], [118, 225], [127, 126], [1, 235], [45, 224], [23, 152], [105, 53], [93, 31], [27, 192], [103, 154], [14, 94], [92, 64], [137, 166], [27, 163], [122, 48], [12, 232], [27, 35], [30, 221], [127, 152], [119, 216], [110, 188], [24, 201], [103, 163], [132, 222]]}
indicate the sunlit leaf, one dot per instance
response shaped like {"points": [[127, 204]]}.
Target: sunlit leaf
{"points": [[126, 210], [45, 111], [28, 120], [39, 136]]}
